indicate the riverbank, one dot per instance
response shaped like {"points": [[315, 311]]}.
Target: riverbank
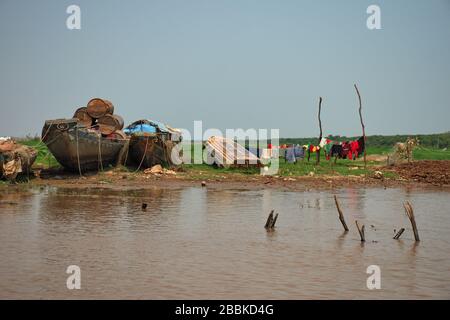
{"points": [[431, 168], [418, 174]]}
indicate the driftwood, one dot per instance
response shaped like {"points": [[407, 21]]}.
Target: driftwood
{"points": [[410, 213], [271, 220], [341, 215], [362, 125], [361, 231], [399, 233], [320, 136]]}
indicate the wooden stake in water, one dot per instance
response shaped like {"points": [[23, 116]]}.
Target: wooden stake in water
{"points": [[272, 226], [399, 233], [269, 220], [270, 223], [341, 215], [361, 231], [410, 213]]}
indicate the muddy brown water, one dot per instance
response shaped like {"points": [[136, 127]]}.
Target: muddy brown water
{"points": [[209, 243]]}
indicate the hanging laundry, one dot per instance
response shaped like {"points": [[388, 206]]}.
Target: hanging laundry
{"points": [[290, 155]]}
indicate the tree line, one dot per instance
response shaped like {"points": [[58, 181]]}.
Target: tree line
{"points": [[438, 140]]}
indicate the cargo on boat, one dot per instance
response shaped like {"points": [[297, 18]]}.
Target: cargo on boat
{"points": [[79, 148], [152, 143], [92, 140]]}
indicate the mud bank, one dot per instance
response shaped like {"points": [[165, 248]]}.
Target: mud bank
{"points": [[417, 174], [435, 172]]}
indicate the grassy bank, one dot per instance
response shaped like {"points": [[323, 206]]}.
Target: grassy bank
{"points": [[44, 159]]}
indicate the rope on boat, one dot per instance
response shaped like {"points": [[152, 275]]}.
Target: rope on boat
{"points": [[100, 151], [165, 149], [143, 156], [41, 140], [126, 156], [78, 153]]}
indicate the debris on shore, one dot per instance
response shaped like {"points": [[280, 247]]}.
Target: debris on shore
{"points": [[15, 158]]}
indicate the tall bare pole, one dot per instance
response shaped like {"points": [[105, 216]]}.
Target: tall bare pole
{"points": [[320, 136], [362, 125]]}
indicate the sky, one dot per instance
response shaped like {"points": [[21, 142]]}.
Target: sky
{"points": [[229, 63]]}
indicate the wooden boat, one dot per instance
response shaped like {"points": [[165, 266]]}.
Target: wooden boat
{"points": [[78, 148], [155, 147]]}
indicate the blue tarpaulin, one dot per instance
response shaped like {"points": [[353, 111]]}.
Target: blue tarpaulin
{"points": [[142, 127], [146, 126]]}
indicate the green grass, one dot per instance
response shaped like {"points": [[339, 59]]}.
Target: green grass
{"points": [[301, 168], [379, 150], [44, 158], [419, 153], [431, 154]]}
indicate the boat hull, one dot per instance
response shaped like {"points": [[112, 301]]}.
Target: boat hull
{"points": [[79, 149], [150, 150]]}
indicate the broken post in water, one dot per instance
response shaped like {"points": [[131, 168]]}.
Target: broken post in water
{"points": [[361, 231], [269, 220], [399, 233], [270, 223], [341, 215], [410, 213]]}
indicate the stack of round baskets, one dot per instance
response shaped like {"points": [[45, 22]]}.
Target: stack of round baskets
{"points": [[99, 114]]}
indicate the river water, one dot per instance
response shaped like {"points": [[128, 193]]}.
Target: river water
{"points": [[210, 243]]}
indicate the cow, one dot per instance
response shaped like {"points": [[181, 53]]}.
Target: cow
{"points": [[404, 149]]}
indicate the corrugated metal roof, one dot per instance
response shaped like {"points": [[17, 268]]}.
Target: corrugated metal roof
{"points": [[227, 152]]}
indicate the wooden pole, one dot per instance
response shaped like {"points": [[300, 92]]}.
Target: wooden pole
{"points": [[272, 225], [320, 136], [361, 231], [410, 213], [341, 215], [269, 220], [362, 125], [399, 233]]}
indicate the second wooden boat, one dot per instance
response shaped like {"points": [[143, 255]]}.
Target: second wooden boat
{"points": [[153, 143]]}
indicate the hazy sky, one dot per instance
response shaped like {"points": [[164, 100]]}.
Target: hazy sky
{"points": [[230, 63]]}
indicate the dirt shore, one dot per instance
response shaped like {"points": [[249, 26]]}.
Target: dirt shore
{"points": [[435, 172], [417, 174]]}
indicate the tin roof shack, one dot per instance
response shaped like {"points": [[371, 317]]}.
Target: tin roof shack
{"points": [[224, 152]]}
